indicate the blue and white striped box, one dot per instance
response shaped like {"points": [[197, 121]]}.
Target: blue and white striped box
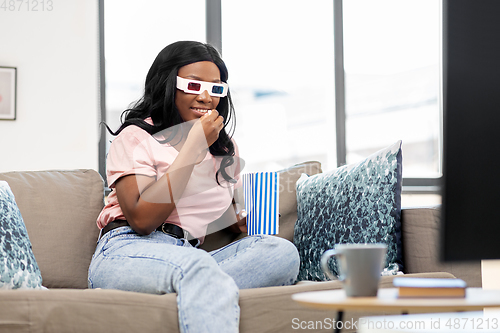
{"points": [[261, 191]]}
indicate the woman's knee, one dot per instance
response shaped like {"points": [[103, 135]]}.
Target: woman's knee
{"points": [[203, 265], [285, 256], [196, 260], [282, 245]]}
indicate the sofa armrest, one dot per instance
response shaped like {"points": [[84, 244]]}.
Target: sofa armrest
{"points": [[59, 209], [420, 232]]}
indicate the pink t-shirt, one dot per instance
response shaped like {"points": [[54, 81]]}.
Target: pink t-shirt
{"points": [[135, 151]]}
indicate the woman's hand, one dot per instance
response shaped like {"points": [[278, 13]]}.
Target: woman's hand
{"points": [[241, 219], [240, 226], [206, 130], [242, 223]]}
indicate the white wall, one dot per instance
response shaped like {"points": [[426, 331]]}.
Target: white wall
{"points": [[56, 53], [490, 270]]}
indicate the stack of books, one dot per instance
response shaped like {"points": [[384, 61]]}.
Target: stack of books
{"points": [[429, 287]]}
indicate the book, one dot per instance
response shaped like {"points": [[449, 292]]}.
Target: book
{"points": [[430, 287]]}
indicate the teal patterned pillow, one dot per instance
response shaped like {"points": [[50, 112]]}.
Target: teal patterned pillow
{"points": [[359, 203], [18, 267]]}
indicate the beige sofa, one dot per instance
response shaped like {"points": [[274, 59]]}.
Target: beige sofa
{"points": [[59, 209]]}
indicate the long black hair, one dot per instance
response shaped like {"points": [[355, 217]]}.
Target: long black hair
{"points": [[158, 101]]}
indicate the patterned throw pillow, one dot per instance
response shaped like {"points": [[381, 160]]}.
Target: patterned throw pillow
{"points": [[359, 203], [18, 267]]}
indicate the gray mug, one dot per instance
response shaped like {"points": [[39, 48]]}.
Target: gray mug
{"points": [[360, 266]]}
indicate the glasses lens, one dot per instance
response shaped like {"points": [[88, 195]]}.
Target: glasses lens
{"points": [[217, 89], [194, 86]]}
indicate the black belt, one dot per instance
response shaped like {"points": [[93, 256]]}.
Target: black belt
{"points": [[168, 228]]}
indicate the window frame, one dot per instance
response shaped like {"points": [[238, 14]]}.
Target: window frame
{"points": [[102, 98]]}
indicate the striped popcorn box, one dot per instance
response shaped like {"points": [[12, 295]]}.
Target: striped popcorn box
{"points": [[261, 192]]}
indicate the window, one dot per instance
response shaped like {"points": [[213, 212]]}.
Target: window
{"points": [[279, 55], [392, 75]]}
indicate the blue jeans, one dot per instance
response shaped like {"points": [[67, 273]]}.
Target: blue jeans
{"points": [[207, 284]]}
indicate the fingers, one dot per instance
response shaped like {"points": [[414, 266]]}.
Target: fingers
{"points": [[213, 116], [242, 224], [219, 122], [211, 123]]}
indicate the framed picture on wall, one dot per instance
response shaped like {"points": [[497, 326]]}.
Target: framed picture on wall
{"points": [[8, 76]]}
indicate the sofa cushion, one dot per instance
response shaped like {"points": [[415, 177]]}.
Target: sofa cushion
{"points": [[358, 203], [288, 194], [18, 267], [263, 310], [421, 240], [60, 209]]}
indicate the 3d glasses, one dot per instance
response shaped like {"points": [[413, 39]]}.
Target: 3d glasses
{"points": [[198, 87]]}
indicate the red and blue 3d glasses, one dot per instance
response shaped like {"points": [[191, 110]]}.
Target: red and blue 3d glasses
{"points": [[197, 87]]}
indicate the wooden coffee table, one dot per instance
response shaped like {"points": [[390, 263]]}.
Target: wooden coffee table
{"points": [[387, 301]]}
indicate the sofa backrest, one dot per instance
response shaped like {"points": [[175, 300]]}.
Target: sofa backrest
{"points": [[421, 246], [59, 209], [288, 195]]}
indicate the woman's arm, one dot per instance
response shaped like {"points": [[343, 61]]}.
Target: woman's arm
{"points": [[147, 203]]}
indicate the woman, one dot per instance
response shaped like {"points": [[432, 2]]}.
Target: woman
{"points": [[173, 169]]}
